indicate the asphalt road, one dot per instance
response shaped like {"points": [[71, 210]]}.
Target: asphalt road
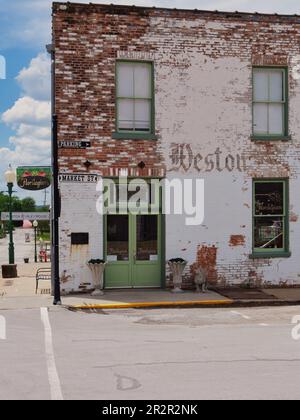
{"points": [[150, 354]]}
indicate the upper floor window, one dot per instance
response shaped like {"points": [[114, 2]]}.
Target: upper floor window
{"points": [[134, 96], [270, 103]]}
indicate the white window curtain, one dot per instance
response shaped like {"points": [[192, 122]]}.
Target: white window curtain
{"points": [[134, 96], [268, 101]]}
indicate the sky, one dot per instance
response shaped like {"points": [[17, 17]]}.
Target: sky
{"points": [[25, 29]]}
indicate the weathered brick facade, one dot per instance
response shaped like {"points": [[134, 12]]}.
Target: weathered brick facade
{"points": [[203, 122]]}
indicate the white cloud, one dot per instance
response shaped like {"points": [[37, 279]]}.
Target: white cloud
{"points": [[35, 80], [28, 110], [30, 118]]}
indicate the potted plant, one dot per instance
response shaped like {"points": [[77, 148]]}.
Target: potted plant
{"points": [[177, 266], [97, 268]]}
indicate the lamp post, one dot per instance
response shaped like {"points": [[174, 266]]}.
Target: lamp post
{"points": [[10, 178], [35, 225]]}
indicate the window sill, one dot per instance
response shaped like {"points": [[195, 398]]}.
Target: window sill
{"points": [[270, 138], [265, 255], [134, 136]]}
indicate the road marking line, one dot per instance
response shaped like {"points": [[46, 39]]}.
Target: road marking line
{"points": [[55, 387], [2, 328], [264, 325], [242, 315]]}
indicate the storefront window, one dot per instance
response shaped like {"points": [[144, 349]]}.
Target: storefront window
{"points": [[117, 238], [147, 245], [270, 216]]}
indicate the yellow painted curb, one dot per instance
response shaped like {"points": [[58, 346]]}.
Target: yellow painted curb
{"points": [[152, 304]]}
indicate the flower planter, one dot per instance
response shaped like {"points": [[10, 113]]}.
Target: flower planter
{"points": [[97, 268], [9, 271], [177, 266]]}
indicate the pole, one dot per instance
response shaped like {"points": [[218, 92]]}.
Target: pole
{"points": [[55, 196], [35, 251], [11, 248], [56, 212]]}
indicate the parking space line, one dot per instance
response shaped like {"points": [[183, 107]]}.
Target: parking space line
{"points": [[240, 314], [55, 387]]}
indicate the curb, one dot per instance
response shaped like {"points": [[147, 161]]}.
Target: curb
{"points": [[187, 304], [136, 305]]}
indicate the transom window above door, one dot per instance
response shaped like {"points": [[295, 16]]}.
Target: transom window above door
{"points": [[134, 98], [270, 116]]}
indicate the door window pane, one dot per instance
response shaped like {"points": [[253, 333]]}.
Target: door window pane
{"points": [[147, 243], [117, 238]]}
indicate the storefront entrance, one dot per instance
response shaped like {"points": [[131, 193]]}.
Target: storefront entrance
{"points": [[133, 250]]}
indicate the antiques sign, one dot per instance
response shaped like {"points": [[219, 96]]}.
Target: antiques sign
{"points": [[74, 144], [78, 178], [34, 178]]}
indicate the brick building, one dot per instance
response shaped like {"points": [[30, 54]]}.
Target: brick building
{"points": [[157, 93]]}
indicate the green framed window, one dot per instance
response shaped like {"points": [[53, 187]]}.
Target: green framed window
{"points": [[270, 103], [134, 99], [270, 218]]}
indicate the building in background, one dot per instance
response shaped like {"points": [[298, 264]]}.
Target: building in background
{"points": [[157, 93]]}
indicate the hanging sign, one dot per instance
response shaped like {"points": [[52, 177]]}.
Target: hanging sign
{"points": [[34, 178]]}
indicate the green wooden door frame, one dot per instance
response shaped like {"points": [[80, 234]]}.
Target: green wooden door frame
{"points": [[161, 272], [135, 268]]}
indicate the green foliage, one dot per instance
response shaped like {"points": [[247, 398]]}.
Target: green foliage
{"points": [[28, 204], [2, 232]]}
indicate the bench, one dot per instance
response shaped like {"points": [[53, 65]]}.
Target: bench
{"points": [[42, 274]]}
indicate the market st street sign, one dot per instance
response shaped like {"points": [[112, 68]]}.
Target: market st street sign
{"points": [[78, 178], [19, 216]]}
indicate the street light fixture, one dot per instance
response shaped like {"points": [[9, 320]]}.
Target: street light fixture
{"points": [[35, 225], [10, 178]]}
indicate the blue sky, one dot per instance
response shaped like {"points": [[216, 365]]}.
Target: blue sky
{"points": [[25, 93]]}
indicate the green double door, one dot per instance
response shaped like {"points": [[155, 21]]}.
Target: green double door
{"points": [[133, 250]]}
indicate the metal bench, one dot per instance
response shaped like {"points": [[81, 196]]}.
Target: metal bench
{"points": [[42, 274]]}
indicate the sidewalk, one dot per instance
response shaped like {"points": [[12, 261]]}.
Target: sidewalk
{"points": [[19, 293], [144, 298], [235, 297]]}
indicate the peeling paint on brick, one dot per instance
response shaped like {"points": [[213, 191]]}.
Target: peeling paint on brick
{"points": [[237, 240]]}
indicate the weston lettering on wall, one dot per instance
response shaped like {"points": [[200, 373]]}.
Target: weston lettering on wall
{"points": [[184, 157]]}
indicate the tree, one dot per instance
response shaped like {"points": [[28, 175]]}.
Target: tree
{"points": [[28, 204]]}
